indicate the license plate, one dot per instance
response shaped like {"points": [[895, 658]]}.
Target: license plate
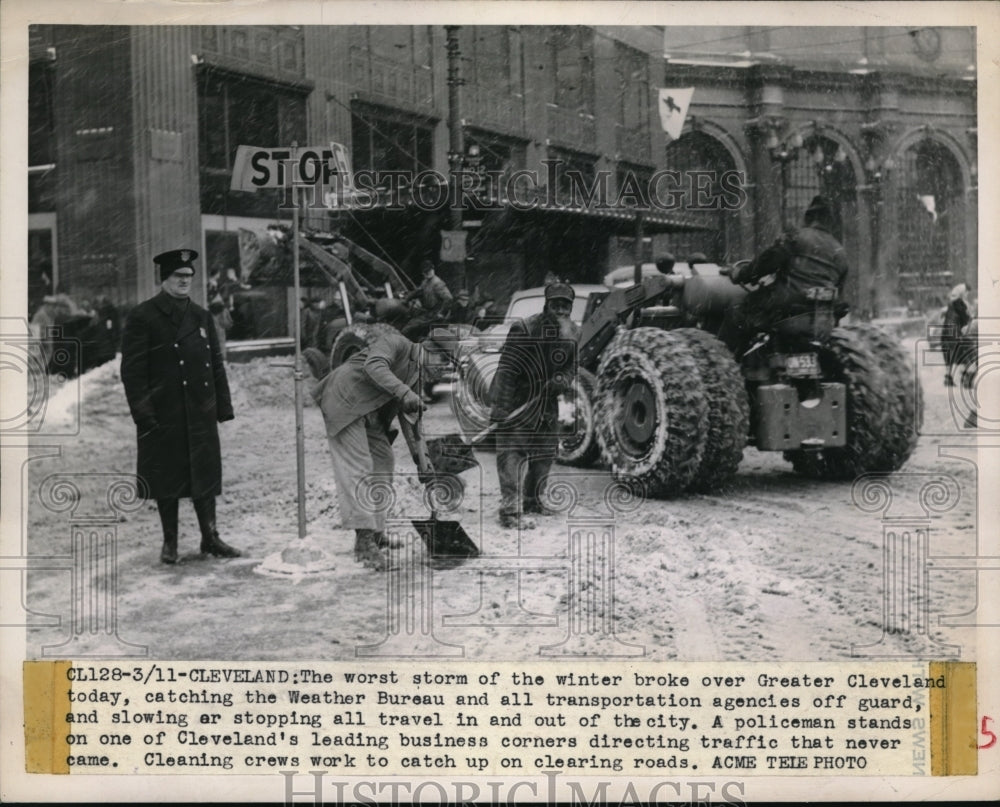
{"points": [[802, 364]]}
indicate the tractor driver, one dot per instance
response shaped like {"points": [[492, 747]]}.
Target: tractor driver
{"points": [[808, 258], [435, 303]]}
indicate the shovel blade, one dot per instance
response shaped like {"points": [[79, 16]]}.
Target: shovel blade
{"points": [[450, 454], [445, 538]]}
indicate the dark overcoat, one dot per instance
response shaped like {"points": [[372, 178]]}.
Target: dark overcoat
{"points": [[537, 362], [175, 383]]}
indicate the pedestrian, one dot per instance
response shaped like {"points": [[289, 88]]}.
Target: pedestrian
{"points": [[461, 310], [537, 363], [805, 259], [435, 303], [222, 320], [956, 319], [175, 383], [358, 400]]}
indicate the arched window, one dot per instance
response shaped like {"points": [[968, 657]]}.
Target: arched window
{"points": [[696, 154], [930, 229], [821, 167]]}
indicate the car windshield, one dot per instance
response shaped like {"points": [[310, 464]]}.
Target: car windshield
{"points": [[524, 307]]}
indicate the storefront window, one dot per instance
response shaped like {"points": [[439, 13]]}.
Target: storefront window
{"points": [[232, 111]]}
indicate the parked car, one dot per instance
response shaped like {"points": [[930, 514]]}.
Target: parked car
{"points": [[479, 356]]}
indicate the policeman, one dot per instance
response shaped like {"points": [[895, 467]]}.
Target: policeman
{"points": [[177, 391], [808, 258], [537, 363]]}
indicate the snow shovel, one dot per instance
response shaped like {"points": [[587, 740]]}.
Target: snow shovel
{"points": [[446, 539], [454, 451]]}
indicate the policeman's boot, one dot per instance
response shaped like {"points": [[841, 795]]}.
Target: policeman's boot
{"points": [[211, 544], [167, 509]]}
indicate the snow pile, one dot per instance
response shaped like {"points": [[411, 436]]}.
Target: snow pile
{"points": [[70, 399]]}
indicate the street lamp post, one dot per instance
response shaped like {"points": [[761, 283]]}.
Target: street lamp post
{"points": [[784, 154], [877, 175], [456, 136]]}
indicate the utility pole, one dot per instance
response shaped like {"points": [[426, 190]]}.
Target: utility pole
{"points": [[456, 141]]}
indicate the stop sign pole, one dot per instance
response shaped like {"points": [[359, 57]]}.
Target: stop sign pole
{"points": [[295, 168], [300, 436]]}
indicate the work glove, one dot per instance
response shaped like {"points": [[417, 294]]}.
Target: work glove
{"points": [[411, 403]]}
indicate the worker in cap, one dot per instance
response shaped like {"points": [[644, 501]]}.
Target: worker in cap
{"points": [[800, 262], [359, 399], [537, 364], [177, 391], [559, 291], [435, 303]]}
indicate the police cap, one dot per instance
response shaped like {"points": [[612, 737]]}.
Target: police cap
{"points": [[174, 259]]}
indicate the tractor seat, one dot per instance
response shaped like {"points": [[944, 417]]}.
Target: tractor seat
{"points": [[815, 318], [816, 324]]}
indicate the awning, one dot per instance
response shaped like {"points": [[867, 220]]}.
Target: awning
{"points": [[619, 219], [623, 220]]}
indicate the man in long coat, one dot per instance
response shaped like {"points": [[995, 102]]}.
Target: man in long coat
{"points": [[175, 383], [358, 400], [537, 363]]}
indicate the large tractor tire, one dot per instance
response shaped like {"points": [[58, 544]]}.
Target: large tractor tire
{"points": [[906, 404], [728, 410], [652, 411], [580, 448], [870, 409], [353, 338]]}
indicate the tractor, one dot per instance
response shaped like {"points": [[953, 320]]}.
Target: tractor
{"points": [[359, 276], [674, 408]]}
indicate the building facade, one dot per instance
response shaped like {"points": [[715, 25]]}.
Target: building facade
{"points": [[133, 133], [881, 120]]}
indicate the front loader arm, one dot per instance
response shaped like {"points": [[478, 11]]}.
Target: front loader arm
{"points": [[598, 329]]}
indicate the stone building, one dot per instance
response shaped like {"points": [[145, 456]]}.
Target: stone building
{"points": [[133, 132], [882, 120]]}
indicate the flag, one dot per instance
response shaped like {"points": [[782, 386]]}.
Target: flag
{"points": [[674, 109], [930, 206]]}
